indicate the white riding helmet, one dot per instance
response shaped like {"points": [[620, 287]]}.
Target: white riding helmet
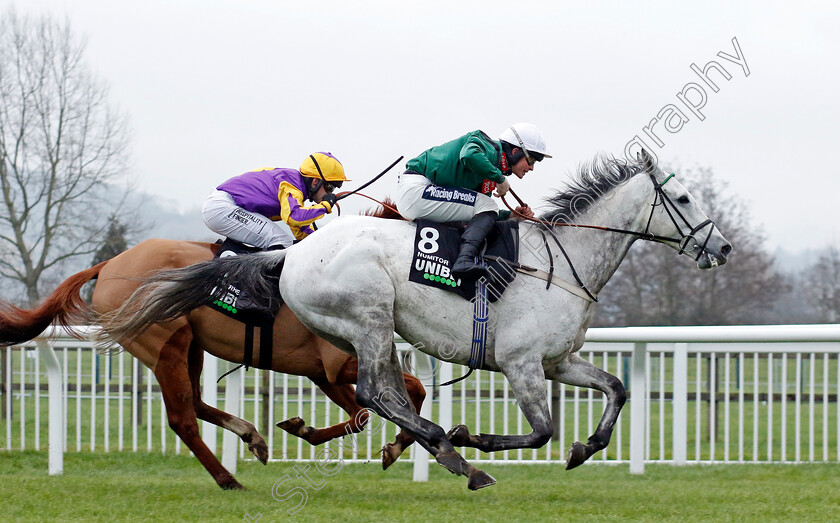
{"points": [[525, 136]]}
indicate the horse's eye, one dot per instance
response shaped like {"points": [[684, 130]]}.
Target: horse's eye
{"points": [[683, 199]]}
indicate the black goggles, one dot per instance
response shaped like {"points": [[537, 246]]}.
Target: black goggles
{"points": [[331, 186], [533, 157]]}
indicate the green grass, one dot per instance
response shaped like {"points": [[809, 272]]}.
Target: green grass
{"points": [[154, 487]]}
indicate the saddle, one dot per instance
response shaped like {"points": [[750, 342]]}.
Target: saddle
{"points": [[436, 246], [254, 311]]}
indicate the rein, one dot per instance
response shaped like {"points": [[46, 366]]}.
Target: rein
{"points": [[345, 194], [660, 199], [642, 235], [385, 205], [378, 176]]}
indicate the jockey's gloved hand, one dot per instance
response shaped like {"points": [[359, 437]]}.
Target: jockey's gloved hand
{"points": [[330, 200], [502, 188], [522, 211]]}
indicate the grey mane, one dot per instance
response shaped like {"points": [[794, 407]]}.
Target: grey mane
{"points": [[592, 181]]}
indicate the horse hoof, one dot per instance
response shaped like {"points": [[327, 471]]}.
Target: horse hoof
{"points": [[452, 461], [480, 479], [459, 435], [229, 483], [260, 451], [297, 427], [293, 426], [390, 454], [577, 455]]}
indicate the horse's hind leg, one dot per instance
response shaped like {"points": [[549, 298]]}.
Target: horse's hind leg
{"points": [[381, 388], [360, 318], [577, 371], [177, 391], [242, 428]]}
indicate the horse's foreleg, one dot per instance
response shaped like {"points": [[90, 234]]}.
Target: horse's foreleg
{"points": [[171, 371], [344, 396], [342, 393], [528, 385], [246, 430], [577, 371]]}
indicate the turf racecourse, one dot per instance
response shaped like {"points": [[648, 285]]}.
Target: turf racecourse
{"points": [[153, 487]]}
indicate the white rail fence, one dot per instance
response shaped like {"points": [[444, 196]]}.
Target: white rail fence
{"points": [[695, 395]]}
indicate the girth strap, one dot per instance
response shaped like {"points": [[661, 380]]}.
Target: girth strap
{"points": [[266, 345], [481, 315], [248, 357]]}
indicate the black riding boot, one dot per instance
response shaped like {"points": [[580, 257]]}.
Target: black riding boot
{"points": [[477, 230]]}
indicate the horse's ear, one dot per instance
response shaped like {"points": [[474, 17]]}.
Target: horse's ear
{"points": [[647, 161]]}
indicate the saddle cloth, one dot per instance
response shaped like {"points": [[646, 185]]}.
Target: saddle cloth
{"points": [[228, 299], [436, 246]]}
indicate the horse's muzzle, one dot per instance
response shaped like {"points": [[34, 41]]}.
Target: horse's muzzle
{"points": [[711, 258]]}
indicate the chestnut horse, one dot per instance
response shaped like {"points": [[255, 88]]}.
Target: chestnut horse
{"points": [[174, 351]]}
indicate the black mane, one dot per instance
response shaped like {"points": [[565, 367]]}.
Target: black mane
{"points": [[593, 180]]}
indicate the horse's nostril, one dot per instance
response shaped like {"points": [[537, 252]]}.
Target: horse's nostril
{"points": [[726, 249]]}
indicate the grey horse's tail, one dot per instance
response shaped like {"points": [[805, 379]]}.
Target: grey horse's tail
{"points": [[168, 294]]}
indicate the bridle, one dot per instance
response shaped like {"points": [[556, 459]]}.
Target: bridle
{"points": [[671, 209], [660, 199]]}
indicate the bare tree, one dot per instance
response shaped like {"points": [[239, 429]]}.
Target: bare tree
{"points": [[821, 285], [61, 144], [653, 287]]}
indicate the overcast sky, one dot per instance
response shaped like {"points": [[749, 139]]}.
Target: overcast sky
{"points": [[214, 88]]}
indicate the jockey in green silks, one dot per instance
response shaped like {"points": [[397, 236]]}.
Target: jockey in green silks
{"points": [[454, 181]]}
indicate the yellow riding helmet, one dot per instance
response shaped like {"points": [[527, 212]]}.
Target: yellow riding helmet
{"points": [[317, 165]]}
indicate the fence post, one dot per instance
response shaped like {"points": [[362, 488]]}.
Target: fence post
{"points": [[56, 403], [638, 393], [7, 394], [209, 395], [423, 367], [680, 403], [233, 388], [4, 382]]}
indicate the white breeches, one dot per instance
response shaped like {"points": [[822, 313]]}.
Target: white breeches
{"points": [[418, 197], [223, 216]]}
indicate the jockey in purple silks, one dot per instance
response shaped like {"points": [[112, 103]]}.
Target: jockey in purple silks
{"points": [[265, 208]]}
